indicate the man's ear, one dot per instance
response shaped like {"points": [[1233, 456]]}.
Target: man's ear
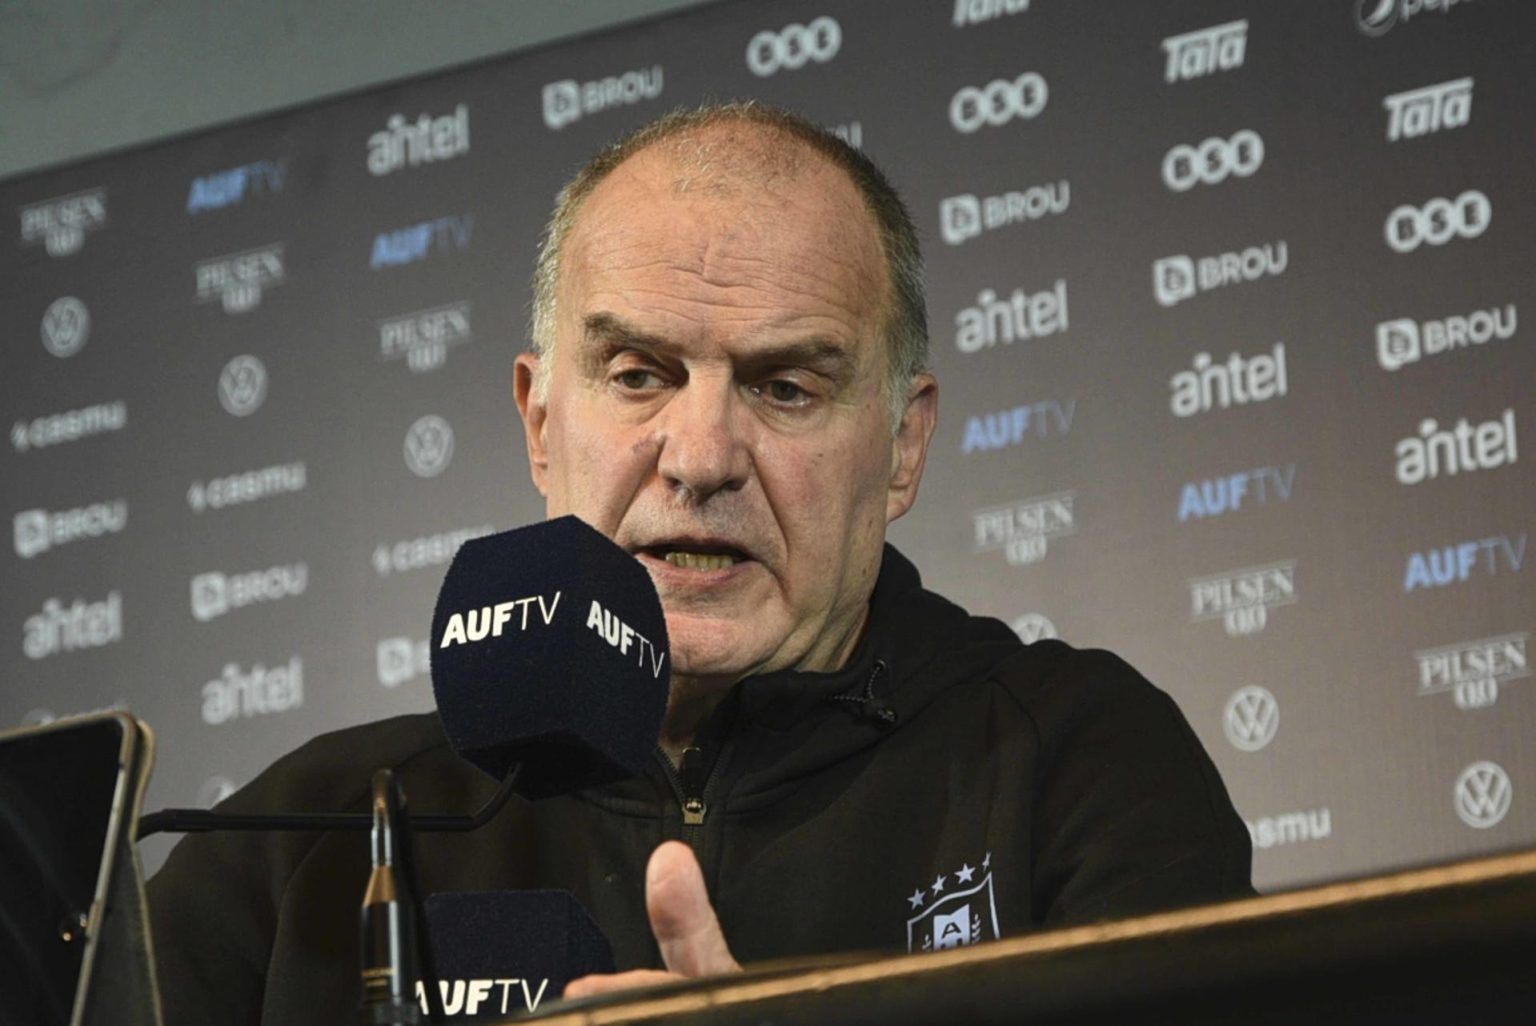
{"points": [[909, 449], [535, 414]]}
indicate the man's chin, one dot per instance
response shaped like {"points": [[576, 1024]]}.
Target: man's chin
{"points": [[705, 647]]}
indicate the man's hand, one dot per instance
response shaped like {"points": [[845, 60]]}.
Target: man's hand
{"points": [[684, 924]]}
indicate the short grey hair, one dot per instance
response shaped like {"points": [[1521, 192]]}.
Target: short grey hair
{"points": [[906, 320]]}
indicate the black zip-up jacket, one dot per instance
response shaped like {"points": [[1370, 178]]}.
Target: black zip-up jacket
{"points": [[946, 765]]}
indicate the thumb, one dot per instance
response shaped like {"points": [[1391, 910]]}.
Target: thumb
{"points": [[682, 918]]}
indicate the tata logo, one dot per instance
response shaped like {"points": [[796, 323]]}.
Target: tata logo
{"points": [[1428, 109], [260, 691], [1482, 795], [1241, 599], [988, 432], [1378, 17], [1023, 530], [957, 910], [426, 140], [1215, 496], [1205, 51], [429, 446], [1018, 317], [238, 281], [1177, 278], [1251, 718], [66, 326], [62, 223], [416, 242], [1213, 161], [1404, 341], [1456, 564], [243, 386], [1473, 671], [568, 100], [1438, 221], [1033, 627], [794, 46], [233, 186], [1456, 450], [422, 338], [999, 102], [967, 216], [974, 12], [1237, 381]]}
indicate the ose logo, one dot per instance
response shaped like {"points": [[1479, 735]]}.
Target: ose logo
{"points": [[66, 325], [998, 102], [1251, 718], [1438, 221], [1483, 794], [243, 386], [793, 46], [429, 446], [1213, 160]]}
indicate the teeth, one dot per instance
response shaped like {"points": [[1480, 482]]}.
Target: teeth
{"points": [[700, 560]]}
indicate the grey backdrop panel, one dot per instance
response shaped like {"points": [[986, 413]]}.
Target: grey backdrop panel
{"points": [[1106, 191]]}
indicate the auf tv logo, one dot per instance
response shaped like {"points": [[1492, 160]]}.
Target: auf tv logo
{"points": [[1453, 564], [416, 242]]}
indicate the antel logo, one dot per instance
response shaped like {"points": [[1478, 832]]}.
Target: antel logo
{"points": [[793, 46], [1483, 794], [1438, 221], [1251, 718], [429, 446], [423, 141], [1213, 161], [66, 326], [401, 660], [1460, 449], [998, 102], [1033, 627], [242, 386]]}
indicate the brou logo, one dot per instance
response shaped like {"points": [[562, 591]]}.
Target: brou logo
{"points": [[1206, 51], [1473, 670], [566, 101], [215, 594], [998, 102], [1237, 382], [492, 621], [1454, 564], [424, 337], [1428, 109], [1213, 160], [1438, 221], [1023, 529], [80, 625], [62, 223], [967, 216], [1406, 341], [1240, 599], [418, 241], [38, 530], [955, 911], [1177, 278], [423, 141], [793, 46], [1213, 496], [230, 187], [992, 431], [1018, 318], [1460, 449], [236, 694], [239, 279]]}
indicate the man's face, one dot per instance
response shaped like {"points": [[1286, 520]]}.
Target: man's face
{"points": [[716, 406]]}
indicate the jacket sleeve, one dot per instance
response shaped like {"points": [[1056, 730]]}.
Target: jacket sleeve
{"points": [[1131, 815]]}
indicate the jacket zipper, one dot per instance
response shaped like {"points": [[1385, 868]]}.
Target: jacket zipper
{"points": [[690, 781]]}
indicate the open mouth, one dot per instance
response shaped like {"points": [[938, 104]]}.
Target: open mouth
{"points": [[697, 555]]}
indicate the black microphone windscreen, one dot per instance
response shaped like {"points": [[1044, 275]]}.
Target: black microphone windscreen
{"points": [[503, 952], [549, 648]]}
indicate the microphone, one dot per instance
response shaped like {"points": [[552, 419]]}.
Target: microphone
{"points": [[388, 933]]}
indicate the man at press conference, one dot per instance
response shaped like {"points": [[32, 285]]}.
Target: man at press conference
{"points": [[728, 380]]}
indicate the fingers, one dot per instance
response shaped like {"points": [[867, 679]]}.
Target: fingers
{"points": [[588, 986], [682, 918]]}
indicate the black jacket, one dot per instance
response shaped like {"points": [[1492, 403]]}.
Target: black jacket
{"points": [[948, 764]]}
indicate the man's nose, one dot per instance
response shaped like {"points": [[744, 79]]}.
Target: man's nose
{"points": [[704, 446]]}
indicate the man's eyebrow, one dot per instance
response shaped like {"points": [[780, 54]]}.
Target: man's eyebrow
{"points": [[605, 334], [612, 333]]}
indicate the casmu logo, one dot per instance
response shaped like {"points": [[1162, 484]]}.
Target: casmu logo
{"points": [[1457, 450], [973, 12], [1290, 828], [464, 997], [1023, 529], [1177, 278], [793, 46], [237, 695], [492, 621], [567, 101], [80, 625], [1205, 51], [229, 188], [424, 337], [1240, 598], [70, 426], [621, 636], [427, 550], [967, 216], [991, 431], [1237, 382], [1451, 564], [1405, 341], [418, 241], [423, 141], [61, 223], [239, 279], [1018, 318], [214, 594], [998, 102], [1428, 109], [1473, 670], [1201, 500], [251, 486], [1212, 161], [1438, 221], [402, 660], [38, 530]]}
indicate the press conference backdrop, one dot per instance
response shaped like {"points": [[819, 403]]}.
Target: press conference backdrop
{"points": [[1226, 306]]}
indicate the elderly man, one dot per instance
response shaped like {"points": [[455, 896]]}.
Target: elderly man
{"points": [[728, 381]]}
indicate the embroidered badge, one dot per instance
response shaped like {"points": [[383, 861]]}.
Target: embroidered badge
{"points": [[956, 910]]}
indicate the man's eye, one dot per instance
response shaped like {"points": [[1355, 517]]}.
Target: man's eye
{"points": [[786, 392], [636, 380]]}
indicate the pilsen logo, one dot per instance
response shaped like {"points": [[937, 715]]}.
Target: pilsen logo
{"points": [[955, 911], [61, 223], [238, 280]]}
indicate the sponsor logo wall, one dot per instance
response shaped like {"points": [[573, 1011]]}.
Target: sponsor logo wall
{"points": [[1284, 477]]}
